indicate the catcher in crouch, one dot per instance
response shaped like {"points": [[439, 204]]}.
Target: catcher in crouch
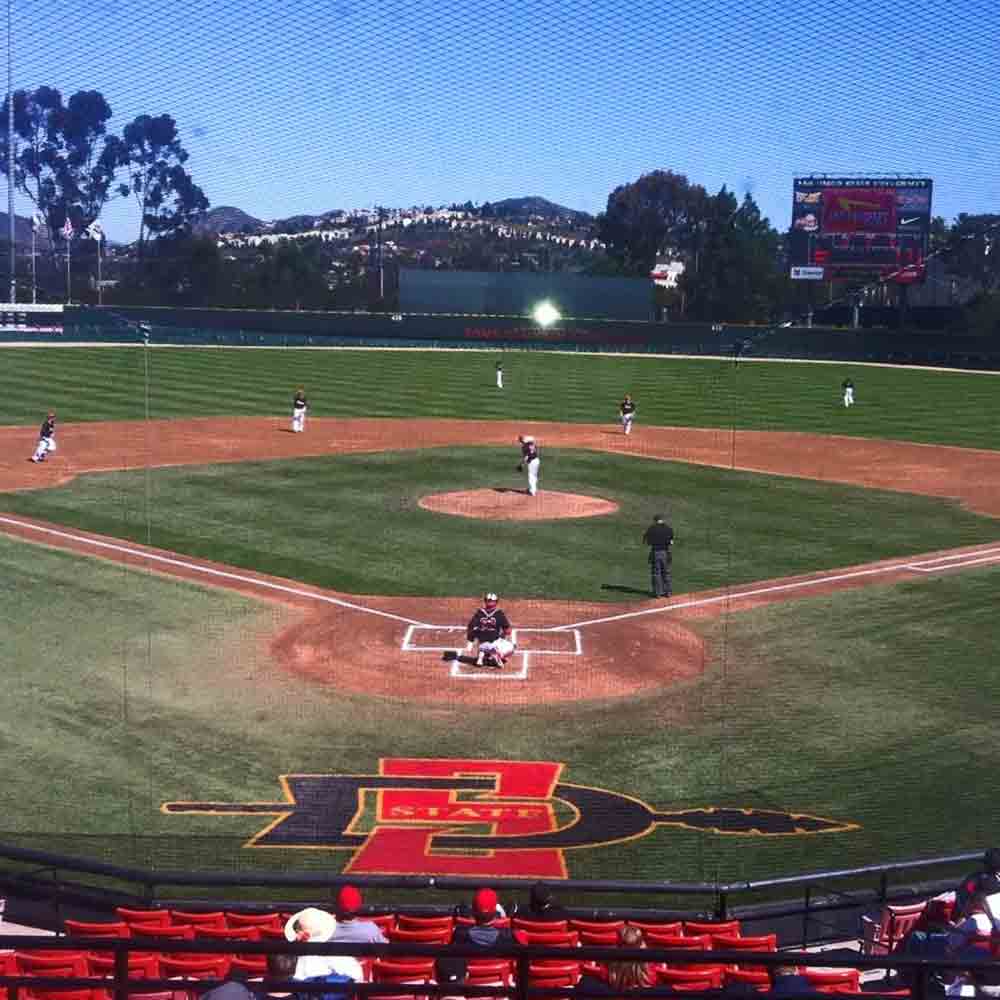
{"points": [[491, 630]]}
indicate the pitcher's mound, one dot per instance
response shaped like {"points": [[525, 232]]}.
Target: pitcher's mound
{"points": [[515, 505]]}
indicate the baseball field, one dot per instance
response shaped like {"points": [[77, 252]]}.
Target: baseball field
{"points": [[210, 622]]}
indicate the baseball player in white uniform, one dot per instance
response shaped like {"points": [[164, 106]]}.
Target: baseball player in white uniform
{"points": [[300, 407], [499, 375], [848, 386], [626, 411], [530, 461], [46, 438]]}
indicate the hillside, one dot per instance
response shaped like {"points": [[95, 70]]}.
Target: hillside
{"points": [[536, 205], [227, 219]]}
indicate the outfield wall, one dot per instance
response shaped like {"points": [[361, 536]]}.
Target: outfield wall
{"points": [[225, 327]]}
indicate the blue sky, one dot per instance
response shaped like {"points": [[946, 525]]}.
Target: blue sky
{"points": [[304, 107]]}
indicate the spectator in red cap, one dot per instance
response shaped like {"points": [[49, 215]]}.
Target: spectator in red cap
{"points": [[350, 929], [483, 933]]}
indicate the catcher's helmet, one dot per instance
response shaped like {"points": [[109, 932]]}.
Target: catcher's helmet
{"points": [[490, 600]]}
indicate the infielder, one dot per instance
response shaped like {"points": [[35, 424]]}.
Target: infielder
{"points": [[491, 631], [46, 439], [300, 406], [848, 386], [627, 413], [529, 462]]}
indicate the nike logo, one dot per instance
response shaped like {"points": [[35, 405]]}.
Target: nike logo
{"points": [[907, 222]]}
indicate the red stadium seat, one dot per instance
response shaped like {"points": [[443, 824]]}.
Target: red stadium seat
{"points": [[254, 920], [399, 935], [543, 926], [730, 927], [417, 970], [880, 936], [672, 927], [551, 939], [409, 923], [193, 967], [213, 918], [694, 942], [228, 933], [691, 974], [130, 916], [251, 965], [760, 979], [758, 943], [41, 963], [823, 980], [596, 926], [603, 939], [91, 928], [140, 966]]}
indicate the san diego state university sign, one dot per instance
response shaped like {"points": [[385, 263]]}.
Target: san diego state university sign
{"points": [[420, 816]]}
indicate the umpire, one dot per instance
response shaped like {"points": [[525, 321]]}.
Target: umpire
{"points": [[660, 539]]}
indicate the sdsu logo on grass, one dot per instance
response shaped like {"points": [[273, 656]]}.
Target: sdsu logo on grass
{"points": [[474, 817]]}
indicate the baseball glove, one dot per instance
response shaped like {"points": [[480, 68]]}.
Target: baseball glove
{"points": [[520, 468]]}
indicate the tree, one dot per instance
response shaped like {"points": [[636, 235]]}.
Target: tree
{"points": [[66, 162], [659, 213], [169, 201]]}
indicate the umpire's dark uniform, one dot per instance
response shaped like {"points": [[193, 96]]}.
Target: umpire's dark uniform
{"points": [[660, 539]]}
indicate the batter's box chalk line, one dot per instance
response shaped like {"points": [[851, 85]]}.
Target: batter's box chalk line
{"points": [[521, 636]]}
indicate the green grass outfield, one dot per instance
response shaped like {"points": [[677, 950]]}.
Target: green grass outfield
{"points": [[300, 519], [873, 706], [109, 383]]}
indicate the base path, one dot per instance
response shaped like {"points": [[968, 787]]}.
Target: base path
{"points": [[567, 651], [969, 475]]}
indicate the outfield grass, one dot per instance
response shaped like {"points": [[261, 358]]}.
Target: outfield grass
{"points": [[871, 706], [300, 519], [128, 383]]}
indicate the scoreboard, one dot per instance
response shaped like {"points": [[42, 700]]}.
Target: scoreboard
{"points": [[860, 228]]}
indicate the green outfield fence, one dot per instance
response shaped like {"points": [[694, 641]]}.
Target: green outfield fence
{"points": [[233, 327]]}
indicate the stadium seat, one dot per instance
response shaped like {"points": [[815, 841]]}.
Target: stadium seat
{"points": [[496, 922], [140, 966], [193, 967], [489, 972], [671, 927], [551, 939], [388, 970], [383, 921], [50, 994], [409, 923], [523, 924], [694, 986], [252, 965], [130, 916], [254, 920], [824, 980], [228, 933], [42, 963], [399, 935], [91, 928], [596, 926], [552, 968], [730, 927], [213, 918], [603, 939], [879, 936], [757, 942], [176, 932], [269, 933], [760, 979], [694, 942], [690, 974]]}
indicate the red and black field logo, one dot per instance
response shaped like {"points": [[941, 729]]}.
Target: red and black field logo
{"points": [[475, 817]]}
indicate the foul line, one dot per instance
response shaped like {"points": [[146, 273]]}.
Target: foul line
{"points": [[970, 559], [206, 570]]}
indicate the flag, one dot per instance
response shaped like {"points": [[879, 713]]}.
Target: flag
{"points": [[67, 229], [95, 232]]}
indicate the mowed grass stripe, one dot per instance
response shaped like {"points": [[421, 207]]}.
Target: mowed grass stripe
{"points": [[300, 519], [87, 384]]}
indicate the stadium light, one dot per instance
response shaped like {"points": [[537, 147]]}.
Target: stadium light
{"points": [[545, 314]]}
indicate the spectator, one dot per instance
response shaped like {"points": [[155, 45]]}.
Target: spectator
{"points": [[971, 937], [450, 971], [233, 987], [542, 906], [483, 933], [318, 926], [985, 880], [349, 928], [280, 967], [622, 976], [786, 980]]}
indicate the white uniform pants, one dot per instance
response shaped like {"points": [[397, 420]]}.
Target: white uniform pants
{"points": [[627, 419], [499, 378], [45, 445], [299, 419], [502, 647], [533, 475], [848, 397]]}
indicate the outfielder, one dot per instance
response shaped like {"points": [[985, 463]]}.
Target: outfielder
{"points": [[529, 462], [46, 439], [627, 413], [848, 386], [499, 375], [491, 631], [300, 406]]}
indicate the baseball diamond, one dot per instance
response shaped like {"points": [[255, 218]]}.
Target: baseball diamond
{"points": [[181, 600]]}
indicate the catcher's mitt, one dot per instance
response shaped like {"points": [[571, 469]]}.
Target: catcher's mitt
{"points": [[520, 468]]}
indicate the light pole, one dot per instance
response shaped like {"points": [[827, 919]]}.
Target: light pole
{"points": [[11, 150]]}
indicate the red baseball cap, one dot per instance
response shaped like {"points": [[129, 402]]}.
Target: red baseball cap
{"points": [[484, 901], [349, 899]]}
